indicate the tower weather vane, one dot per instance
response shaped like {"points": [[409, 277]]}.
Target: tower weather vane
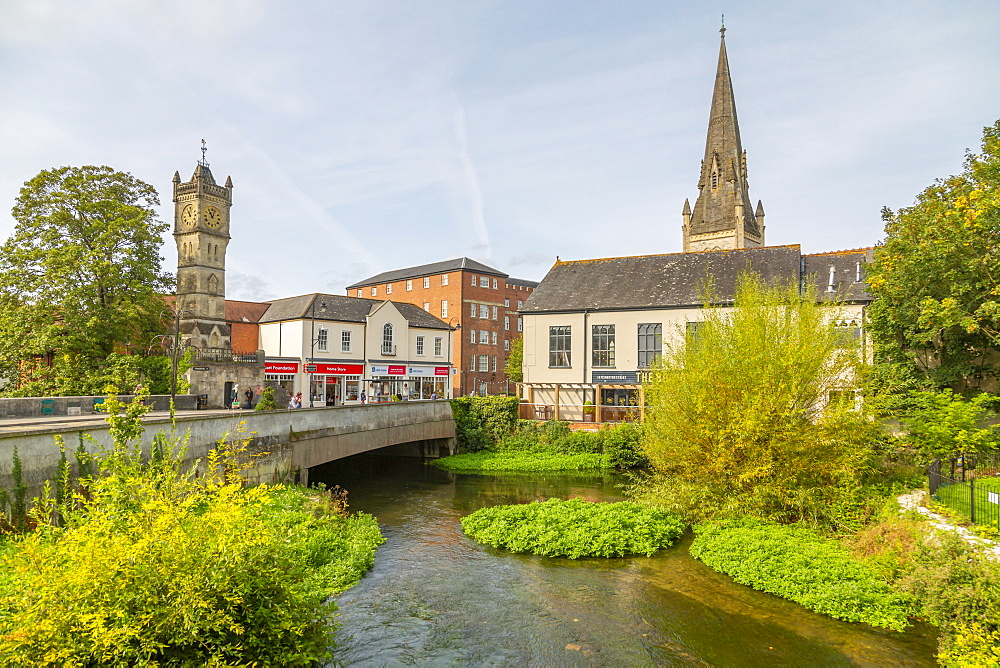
{"points": [[203, 149], [722, 29]]}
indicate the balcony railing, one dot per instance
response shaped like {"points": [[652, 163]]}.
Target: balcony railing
{"points": [[388, 349]]}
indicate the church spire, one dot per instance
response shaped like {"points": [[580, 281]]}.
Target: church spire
{"points": [[723, 215]]}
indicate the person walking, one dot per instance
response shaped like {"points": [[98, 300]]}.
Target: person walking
{"points": [[249, 397]]}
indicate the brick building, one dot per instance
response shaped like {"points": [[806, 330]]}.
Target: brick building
{"points": [[480, 302]]}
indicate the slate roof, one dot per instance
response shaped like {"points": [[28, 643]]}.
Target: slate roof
{"points": [[679, 279], [344, 309], [522, 282], [457, 264]]}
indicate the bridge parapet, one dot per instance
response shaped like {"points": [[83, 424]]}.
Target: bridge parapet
{"points": [[294, 439]]}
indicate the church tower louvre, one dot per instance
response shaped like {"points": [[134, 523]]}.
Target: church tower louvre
{"points": [[201, 231], [723, 216]]}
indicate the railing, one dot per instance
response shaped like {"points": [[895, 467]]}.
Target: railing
{"points": [[388, 349], [969, 485], [228, 356], [579, 412]]}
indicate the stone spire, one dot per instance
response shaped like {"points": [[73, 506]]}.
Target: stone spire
{"points": [[723, 215]]}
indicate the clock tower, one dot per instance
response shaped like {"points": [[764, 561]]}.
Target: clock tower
{"points": [[201, 231]]}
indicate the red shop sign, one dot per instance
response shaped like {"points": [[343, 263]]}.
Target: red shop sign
{"points": [[281, 367], [342, 369], [441, 371], [397, 370]]}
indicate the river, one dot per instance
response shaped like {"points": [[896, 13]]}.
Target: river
{"points": [[435, 597]]}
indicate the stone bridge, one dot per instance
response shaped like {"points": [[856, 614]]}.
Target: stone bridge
{"points": [[294, 440]]}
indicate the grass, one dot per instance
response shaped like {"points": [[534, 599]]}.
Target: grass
{"points": [[522, 461], [957, 498]]}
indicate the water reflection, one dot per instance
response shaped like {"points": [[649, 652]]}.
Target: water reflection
{"points": [[436, 597]]}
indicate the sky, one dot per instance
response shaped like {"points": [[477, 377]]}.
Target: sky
{"points": [[368, 136]]}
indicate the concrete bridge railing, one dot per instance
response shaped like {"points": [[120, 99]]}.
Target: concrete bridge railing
{"points": [[293, 440]]}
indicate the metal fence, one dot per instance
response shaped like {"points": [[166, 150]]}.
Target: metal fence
{"points": [[227, 356], [968, 484]]}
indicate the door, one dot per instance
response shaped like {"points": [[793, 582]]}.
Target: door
{"points": [[227, 394]]}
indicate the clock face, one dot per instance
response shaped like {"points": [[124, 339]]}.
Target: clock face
{"points": [[189, 216], [212, 217]]}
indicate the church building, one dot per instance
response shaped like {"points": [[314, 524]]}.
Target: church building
{"points": [[593, 327]]}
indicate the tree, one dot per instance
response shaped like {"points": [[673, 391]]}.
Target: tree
{"points": [[936, 276], [756, 413], [80, 279], [943, 424], [513, 367]]}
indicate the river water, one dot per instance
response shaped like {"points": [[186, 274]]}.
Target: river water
{"points": [[435, 597]]}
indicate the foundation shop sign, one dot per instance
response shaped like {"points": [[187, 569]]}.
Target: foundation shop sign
{"points": [[614, 377], [281, 367], [429, 371]]}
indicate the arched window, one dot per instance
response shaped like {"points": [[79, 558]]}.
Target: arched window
{"points": [[387, 346], [715, 179], [213, 284]]}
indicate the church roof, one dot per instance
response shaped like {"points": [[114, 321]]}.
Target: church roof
{"points": [[680, 279], [339, 308], [458, 264], [240, 311]]}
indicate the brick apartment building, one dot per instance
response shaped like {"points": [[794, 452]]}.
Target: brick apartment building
{"points": [[480, 302]]}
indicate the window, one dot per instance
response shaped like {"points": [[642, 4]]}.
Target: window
{"points": [[506, 344], [420, 345], [484, 311], [506, 302], [409, 285], [693, 331], [474, 285], [559, 346], [848, 331], [360, 293], [650, 343], [494, 284], [345, 341], [438, 346], [506, 323], [484, 281], [494, 338], [520, 324], [388, 289], [322, 339], [427, 306], [444, 308], [472, 310], [387, 345], [495, 310], [603, 345], [427, 281], [715, 179], [472, 362], [484, 362], [472, 336], [484, 336], [374, 291], [519, 304], [444, 279], [493, 363]]}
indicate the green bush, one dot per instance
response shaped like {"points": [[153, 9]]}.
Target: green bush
{"points": [[798, 564], [525, 462], [574, 528], [266, 402], [480, 422], [154, 565], [957, 588], [944, 423]]}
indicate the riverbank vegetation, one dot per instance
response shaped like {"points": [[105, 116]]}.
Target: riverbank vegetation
{"points": [[797, 563], [146, 563], [491, 438], [574, 528]]}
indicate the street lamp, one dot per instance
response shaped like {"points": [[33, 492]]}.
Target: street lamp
{"points": [[174, 342], [312, 343], [454, 324]]}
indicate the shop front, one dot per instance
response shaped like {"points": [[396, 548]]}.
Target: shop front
{"points": [[429, 382], [281, 376], [387, 382], [334, 384]]}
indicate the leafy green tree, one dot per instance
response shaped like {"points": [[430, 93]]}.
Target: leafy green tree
{"points": [[513, 367], [80, 279], [756, 414], [937, 276], [943, 423]]}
